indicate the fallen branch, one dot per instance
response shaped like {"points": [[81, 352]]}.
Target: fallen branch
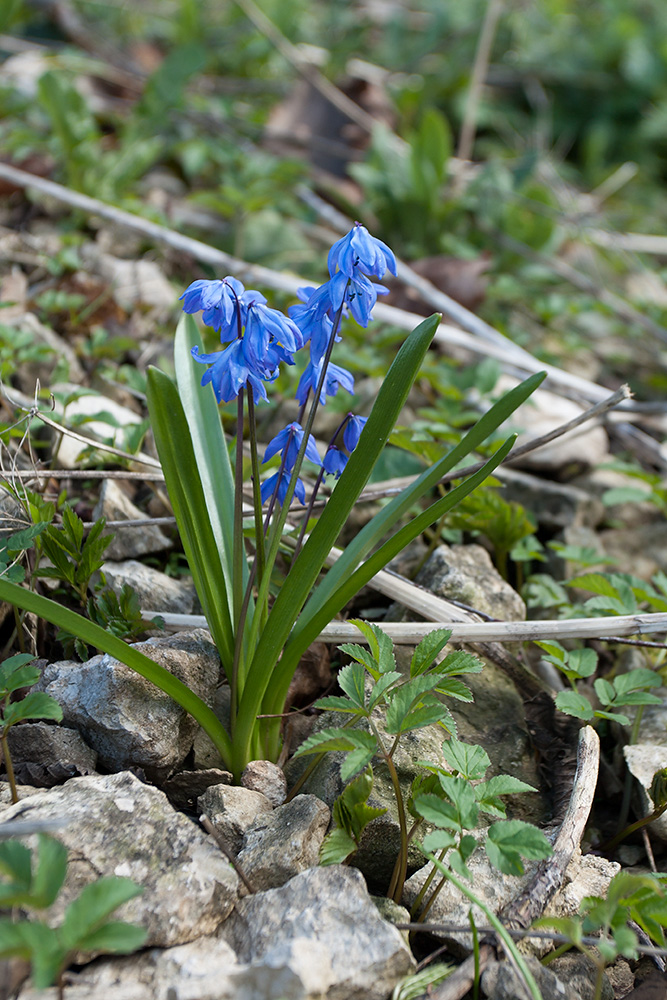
{"points": [[411, 633]]}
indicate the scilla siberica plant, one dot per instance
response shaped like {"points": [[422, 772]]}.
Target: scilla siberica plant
{"points": [[260, 643]]}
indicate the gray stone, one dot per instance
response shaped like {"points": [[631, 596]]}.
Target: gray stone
{"points": [[90, 405], [554, 505], [128, 543], [640, 550], [580, 973], [330, 909], [465, 573], [156, 591], [126, 719], [206, 754], [285, 842], [185, 787], [119, 826], [501, 982], [267, 778], [643, 760], [233, 811], [41, 752]]}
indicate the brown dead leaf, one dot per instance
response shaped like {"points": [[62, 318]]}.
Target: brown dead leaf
{"points": [[464, 281]]}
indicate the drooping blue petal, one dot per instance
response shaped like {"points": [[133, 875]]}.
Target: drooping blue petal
{"points": [[361, 296], [289, 441], [335, 377], [229, 372], [359, 252], [352, 432], [334, 461], [219, 302], [269, 485]]}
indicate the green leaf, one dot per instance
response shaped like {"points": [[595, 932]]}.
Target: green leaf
{"points": [[36, 705], [582, 662], [635, 680], [34, 941], [461, 794], [50, 872], [351, 679], [470, 760], [336, 847], [438, 812], [359, 745], [459, 662], [488, 793], [622, 720], [92, 907], [16, 863], [573, 703], [116, 938], [439, 840], [192, 508], [102, 639], [336, 703], [510, 840], [383, 685], [361, 655], [381, 646], [451, 687], [427, 650], [18, 672], [604, 690]]}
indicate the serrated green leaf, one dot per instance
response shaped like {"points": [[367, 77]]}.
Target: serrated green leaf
{"points": [[92, 907], [437, 811], [427, 650], [573, 703], [470, 760], [336, 847], [509, 841], [356, 761], [16, 864], [458, 864], [622, 720], [351, 680], [382, 686], [114, 938], [361, 655], [439, 840], [583, 662], [407, 697], [554, 649], [36, 705], [636, 679], [381, 646], [452, 687], [336, 703], [461, 794], [460, 662], [17, 677], [50, 872], [638, 698], [337, 739], [488, 793], [604, 690]]}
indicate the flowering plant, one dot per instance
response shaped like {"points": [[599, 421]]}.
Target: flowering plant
{"points": [[260, 643]]}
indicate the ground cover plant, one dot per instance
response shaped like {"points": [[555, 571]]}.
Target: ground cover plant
{"points": [[539, 210]]}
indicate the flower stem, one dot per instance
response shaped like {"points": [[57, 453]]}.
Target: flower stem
{"points": [[239, 552], [313, 495], [9, 766]]}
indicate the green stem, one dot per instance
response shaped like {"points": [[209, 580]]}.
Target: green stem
{"points": [[9, 766], [256, 489], [395, 890], [508, 944], [475, 951], [644, 821]]}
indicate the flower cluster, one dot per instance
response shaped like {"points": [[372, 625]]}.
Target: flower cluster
{"points": [[258, 338]]}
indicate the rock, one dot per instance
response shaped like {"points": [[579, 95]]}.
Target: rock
{"points": [[285, 842], [184, 788], [501, 982], [125, 718], [331, 909], [585, 875], [553, 505], [233, 811], [135, 282], [90, 406], [45, 755], [205, 753], [465, 573], [643, 760], [267, 778], [583, 447], [621, 977], [580, 973], [120, 826], [627, 513], [127, 543], [156, 591]]}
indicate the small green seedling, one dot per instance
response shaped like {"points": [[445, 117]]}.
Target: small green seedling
{"points": [[628, 689], [16, 673], [85, 926]]}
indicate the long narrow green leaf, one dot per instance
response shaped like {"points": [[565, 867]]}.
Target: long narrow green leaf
{"points": [[208, 441], [307, 566], [96, 636], [378, 526], [303, 635], [179, 464]]}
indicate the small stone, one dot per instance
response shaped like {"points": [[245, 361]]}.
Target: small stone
{"points": [[284, 842], [184, 788], [126, 719], [41, 752], [643, 760], [501, 982], [329, 907], [465, 573], [127, 543], [554, 505], [156, 591], [116, 825], [267, 778], [233, 811], [580, 974]]}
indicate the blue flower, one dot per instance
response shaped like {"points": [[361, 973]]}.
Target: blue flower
{"points": [[352, 432], [269, 485], [231, 371], [361, 252], [289, 440], [334, 462], [221, 304], [358, 294], [335, 377]]}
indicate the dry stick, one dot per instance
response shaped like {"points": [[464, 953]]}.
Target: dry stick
{"points": [[479, 69], [530, 903], [518, 934], [457, 985], [445, 335]]}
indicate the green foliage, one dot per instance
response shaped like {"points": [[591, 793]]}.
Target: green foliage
{"points": [[118, 614], [504, 523], [351, 814], [422, 983], [85, 926], [18, 672], [74, 557]]}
